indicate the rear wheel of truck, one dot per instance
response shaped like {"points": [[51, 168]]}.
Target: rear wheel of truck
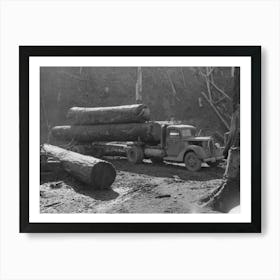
{"points": [[192, 162], [135, 154]]}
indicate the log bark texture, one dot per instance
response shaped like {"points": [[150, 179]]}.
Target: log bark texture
{"points": [[96, 173], [104, 115], [109, 149], [149, 132]]}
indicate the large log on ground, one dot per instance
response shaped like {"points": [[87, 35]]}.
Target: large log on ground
{"points": [[94, 172], [101, 115], [149, 132]]}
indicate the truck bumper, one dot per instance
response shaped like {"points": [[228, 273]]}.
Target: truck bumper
{"points": [[213, 159]]}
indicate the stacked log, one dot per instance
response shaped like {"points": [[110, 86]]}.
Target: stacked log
{"points": [[136, 113], [100, 149], [98, 174], [148, 132], [107, 124]]}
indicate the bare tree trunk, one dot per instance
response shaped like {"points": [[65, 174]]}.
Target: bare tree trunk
{"points": [[234, 131], [227, 195], [139, 85]]}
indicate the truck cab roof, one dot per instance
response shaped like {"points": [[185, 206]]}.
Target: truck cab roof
{"points": [[181, 126]]}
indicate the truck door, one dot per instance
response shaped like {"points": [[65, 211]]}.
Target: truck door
{"points": [[173, 141]]}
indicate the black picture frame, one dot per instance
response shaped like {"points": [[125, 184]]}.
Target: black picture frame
{"points": [[25, 52]]}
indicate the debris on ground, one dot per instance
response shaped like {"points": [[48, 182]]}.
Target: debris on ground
{"points": [[163, 196], [143, 188]]}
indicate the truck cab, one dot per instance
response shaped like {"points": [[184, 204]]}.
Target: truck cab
{"points": [[182, 145], [175, 138]]}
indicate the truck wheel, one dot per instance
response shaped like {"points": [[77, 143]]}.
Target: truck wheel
{"points": [[135, 154], [192, 162]]}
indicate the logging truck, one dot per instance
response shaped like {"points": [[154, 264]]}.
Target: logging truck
{"points": [[138, 138], [178, 143]]}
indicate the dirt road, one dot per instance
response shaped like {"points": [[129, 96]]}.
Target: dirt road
{"points": [[143, 188]]}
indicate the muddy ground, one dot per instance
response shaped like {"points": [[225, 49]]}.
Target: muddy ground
{"points": [[143, 188]]}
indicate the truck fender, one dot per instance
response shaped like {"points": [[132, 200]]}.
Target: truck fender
{"points": [[193, 148]]}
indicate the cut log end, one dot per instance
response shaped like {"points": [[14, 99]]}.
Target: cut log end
{"points": [[103, 175]]}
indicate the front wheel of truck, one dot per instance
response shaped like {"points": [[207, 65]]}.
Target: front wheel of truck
{"points": [[192, 162], [135, 154]]}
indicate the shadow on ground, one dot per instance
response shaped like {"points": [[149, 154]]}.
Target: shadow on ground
{"points": [[168, 170], [62, 178]]}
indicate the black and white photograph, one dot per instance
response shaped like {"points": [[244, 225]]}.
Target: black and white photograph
{"points": [[139, 139]]}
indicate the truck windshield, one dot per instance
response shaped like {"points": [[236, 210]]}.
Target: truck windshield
{"points": [[187, 132]]}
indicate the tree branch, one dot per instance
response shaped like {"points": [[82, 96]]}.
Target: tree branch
{"points": [[216, 111]]}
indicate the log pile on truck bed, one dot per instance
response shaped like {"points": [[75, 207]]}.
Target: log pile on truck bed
{"points": [[87, 125], [148, 132], [120, 123]]}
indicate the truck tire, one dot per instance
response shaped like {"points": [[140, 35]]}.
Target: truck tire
{"points": [[192, 162], [135, 155]]}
